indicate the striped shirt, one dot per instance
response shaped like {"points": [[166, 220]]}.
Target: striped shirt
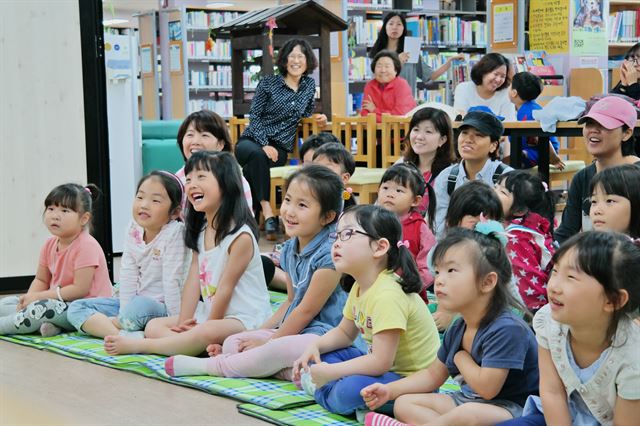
{"points": [[155, 270], [276, 110]]}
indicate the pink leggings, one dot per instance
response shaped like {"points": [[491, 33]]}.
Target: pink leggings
{"points": [[274, 358]]}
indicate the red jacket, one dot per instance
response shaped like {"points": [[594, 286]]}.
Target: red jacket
{"points": [[393, 98], [530, 249]]}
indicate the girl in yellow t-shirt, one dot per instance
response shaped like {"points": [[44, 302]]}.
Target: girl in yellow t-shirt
{"points": [[383, 307]]}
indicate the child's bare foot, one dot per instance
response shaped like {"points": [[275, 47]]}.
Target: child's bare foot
{"points": [[120, 345], [214, 349]]}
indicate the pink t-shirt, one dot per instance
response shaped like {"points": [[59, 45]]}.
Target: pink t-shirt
{"points": [[83, 252]]}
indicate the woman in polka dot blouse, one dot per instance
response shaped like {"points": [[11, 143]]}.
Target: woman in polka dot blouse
{"points": [[277, 107]]}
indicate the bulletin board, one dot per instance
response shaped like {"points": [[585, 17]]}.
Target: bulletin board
{"points": [[504, 24], [175, 57], [336, 46]]}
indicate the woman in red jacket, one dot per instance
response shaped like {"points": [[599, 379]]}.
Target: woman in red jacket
{"points": [[387, 93]]}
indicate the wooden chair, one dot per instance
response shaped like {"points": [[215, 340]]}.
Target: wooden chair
{"points": [[394, 131], [307, 127], [360, 131], [236, 127]]}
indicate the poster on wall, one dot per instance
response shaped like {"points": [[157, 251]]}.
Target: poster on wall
{"points": [[549, 26], [588, 28]]}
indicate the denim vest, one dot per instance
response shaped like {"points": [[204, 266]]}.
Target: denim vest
{"points": [[301, 267]]}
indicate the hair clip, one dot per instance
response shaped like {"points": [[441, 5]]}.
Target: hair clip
{"points": [[87, 189], [177, 179], [403, 243], [492, 228], [347, 193], [635, 241], [545, 186]]}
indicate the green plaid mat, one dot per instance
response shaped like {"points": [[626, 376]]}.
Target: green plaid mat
{"points": [[311, 415], [273, 394]]}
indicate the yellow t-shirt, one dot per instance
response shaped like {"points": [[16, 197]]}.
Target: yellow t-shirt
{"points": [[385, 307]]}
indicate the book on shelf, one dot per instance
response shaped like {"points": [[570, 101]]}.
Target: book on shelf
{"points": [[461, 69], [538, 64], [364, 31], [224, 108], [448, 30], [432, 95], [202, 19], [624, 26], [379, 4], [221, 49]]}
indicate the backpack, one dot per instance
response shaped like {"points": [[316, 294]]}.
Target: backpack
{"points": [[455, 171], [596, 98]]}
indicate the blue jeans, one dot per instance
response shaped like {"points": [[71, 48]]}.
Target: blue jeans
{"points": [[530, 420], [342, 396], [133, 317]]}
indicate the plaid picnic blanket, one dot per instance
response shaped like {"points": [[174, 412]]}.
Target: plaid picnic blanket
{"points": [[311, 415], [273, 394]]}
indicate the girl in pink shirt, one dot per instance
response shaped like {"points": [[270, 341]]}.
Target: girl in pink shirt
{"points": [[71, 266]]}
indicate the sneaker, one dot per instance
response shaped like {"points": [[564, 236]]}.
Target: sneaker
{"points": [[49, 330], [271, 228]]}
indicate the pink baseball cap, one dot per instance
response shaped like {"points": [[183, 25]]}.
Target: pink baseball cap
{"points": [[612, 112]]}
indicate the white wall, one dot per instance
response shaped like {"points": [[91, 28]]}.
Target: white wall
{"points": [[42, 142]]}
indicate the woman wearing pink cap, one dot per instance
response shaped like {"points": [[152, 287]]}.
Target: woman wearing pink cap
{"points": [[608, 134]]}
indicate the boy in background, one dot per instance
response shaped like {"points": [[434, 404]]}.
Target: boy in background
{"points": [[525, 89]]}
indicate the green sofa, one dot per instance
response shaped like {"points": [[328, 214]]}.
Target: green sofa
{"points": [[159, 147]]}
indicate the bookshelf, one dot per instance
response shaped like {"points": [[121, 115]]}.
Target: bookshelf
{"points": [[446, 29], [623, 26], [208, 64]]}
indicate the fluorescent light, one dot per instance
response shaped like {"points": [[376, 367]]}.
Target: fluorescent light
{"points": [[219, 4], [111, 22]]}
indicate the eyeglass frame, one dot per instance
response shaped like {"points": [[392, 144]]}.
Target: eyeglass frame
{"points": [[335, 235], [635, 60]]}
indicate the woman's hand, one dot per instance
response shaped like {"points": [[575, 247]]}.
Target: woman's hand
{"points": [[246, 344], [184, 326], [628, 73], [369, 105], [271, 152], [375, 395], [321, 120], [310, 354], [404, 57]]}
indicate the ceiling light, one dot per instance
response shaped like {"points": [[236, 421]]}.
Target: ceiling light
{"points": [[111, 22], [219, 4]]}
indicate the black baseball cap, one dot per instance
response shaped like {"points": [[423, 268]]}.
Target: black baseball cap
{"points": [[485, 123]]}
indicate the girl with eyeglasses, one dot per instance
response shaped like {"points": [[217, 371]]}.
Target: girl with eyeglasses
{"points": [[311, 205], [383, 308], [630, 74]]}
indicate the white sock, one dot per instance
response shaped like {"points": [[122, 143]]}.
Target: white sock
{"points": [[307, 383], [182, 365], [49, 330]]}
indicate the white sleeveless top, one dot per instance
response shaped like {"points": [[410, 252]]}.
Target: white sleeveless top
{"points": [[250, 299]]}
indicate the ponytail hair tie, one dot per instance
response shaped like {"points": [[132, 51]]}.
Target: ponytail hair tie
{"points": [[492, 228], [403, 243], [635, 241], [347, 193], [87, 189], [545, 186]]}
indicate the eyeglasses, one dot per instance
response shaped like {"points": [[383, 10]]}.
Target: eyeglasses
{"points": [[634, 59], [346, 234]]}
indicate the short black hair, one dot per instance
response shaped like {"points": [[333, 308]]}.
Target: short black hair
{"points": [[622, 181], [315, 141], [205, 121], [307, 50], [471, 199], [387, 54], [338, 154], [528, 85], [488, 63]]}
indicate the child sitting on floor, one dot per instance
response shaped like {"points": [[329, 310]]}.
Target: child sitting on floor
{"points": [[315, 300], [383, 306], [72, 266], [489, 349], [226, 271], [152, 266]]}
